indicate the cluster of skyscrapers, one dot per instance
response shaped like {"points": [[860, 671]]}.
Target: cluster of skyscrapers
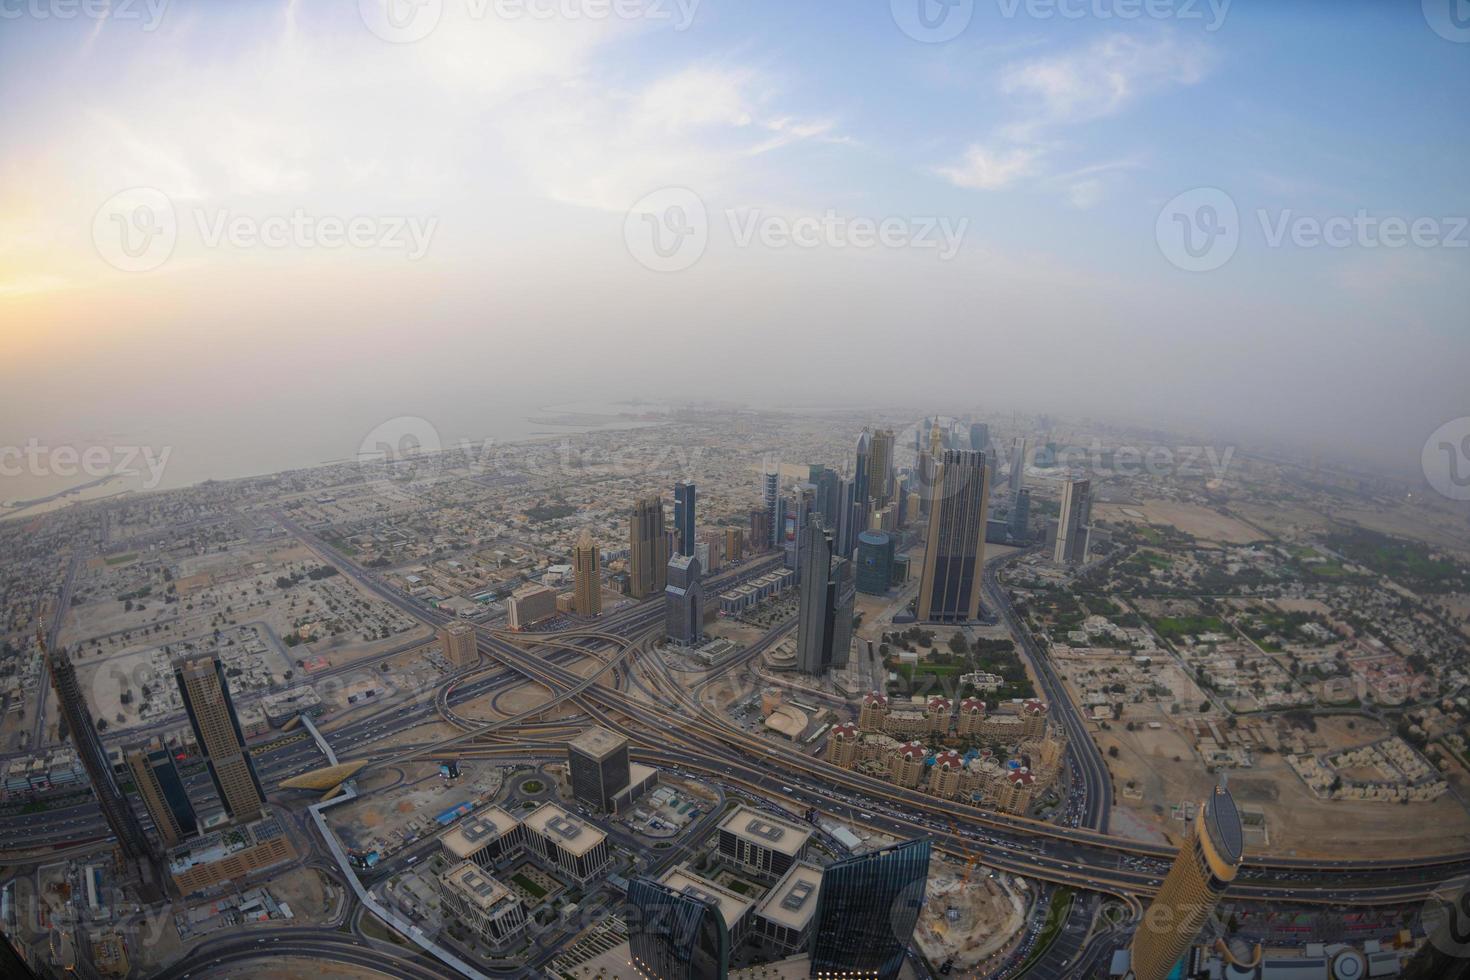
{"points": [[206, 697]]}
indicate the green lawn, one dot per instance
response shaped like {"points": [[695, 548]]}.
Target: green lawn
{"points": [[1056, 917], [530, 886]]}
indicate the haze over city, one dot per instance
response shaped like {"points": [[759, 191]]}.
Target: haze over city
{"points": [[734, 490]]}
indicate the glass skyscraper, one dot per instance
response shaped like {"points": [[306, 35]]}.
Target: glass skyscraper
{"points": [[675, 936], [866, 911], [684, 516]]}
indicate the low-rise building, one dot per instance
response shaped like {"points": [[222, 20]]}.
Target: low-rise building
{"points": [[734, 908], [785, 914], [492, 911], [569, 843], [485, 837], [761, 843], [229, 855]]}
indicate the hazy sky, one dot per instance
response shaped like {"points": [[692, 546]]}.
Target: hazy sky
{"points": [[1051, 148]]}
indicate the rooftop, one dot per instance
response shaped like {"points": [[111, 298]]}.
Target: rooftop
{"points": [[475, 885], [782, 836], [793, 901], [732, 906], [598, 743], [1223, 820], [476, 830], [571, 834]]}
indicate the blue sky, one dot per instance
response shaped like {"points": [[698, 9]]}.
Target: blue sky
{"points": [[1056, 141]]}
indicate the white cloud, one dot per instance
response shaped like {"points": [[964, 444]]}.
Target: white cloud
{"points": [[988, 170], [1102, 78]]}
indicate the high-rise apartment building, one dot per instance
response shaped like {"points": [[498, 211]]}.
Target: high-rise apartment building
{"points": [[212, 715], [647, 561], [954, 556], [162, 788], [684, 522], [587, 576], [1206, 864], [734, 544], [598, 767], [770, 494], [827, 595], [866, 911], [675, 935], [140, 858], [1074, 525], [460, 646]]}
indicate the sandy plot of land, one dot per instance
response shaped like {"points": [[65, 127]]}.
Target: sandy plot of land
{"points": [[1299, 823], [1203, 523], [292, 968]]}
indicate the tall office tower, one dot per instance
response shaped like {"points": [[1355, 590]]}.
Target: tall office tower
{"points": [[760, 529], [828, 500], [684, 516], [587, 576], [647, 563], [880, 468], [827, 595], [212, 716], [1018, 465], [139, 858], [734, 544], [460, 645], [954, 557], [866, 911], [979, 436], [796, 510], [847, 528], [874, 563], [675, 935], [597, 763], [770, 494], [1020, 528], [1206, 864], [862, 466], [926, 467], [684, 601], [163, 792], [1074, 526]]}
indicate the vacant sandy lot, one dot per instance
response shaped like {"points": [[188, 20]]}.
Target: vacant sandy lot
{"points": [[1203, 523]]}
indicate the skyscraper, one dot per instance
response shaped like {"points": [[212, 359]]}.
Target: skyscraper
{"points": [[647, 563], [798, 507], [587, 576], [979, 436], [862, 466], [159, 783], [770, 493], [880, 470], [139, 857], [597, 766], [1074, 525], [212, 715], [954, 556], [1017, 475], [866, 911], [684, 522], [684, 601], [1020, 528], [1206, 864], [874, 563], [675, 936], [827, 595], [760, 529]]}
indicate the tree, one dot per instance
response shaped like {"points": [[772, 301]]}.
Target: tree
{"points": [[1204, 706], [1112, 751], [958, 644]]}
